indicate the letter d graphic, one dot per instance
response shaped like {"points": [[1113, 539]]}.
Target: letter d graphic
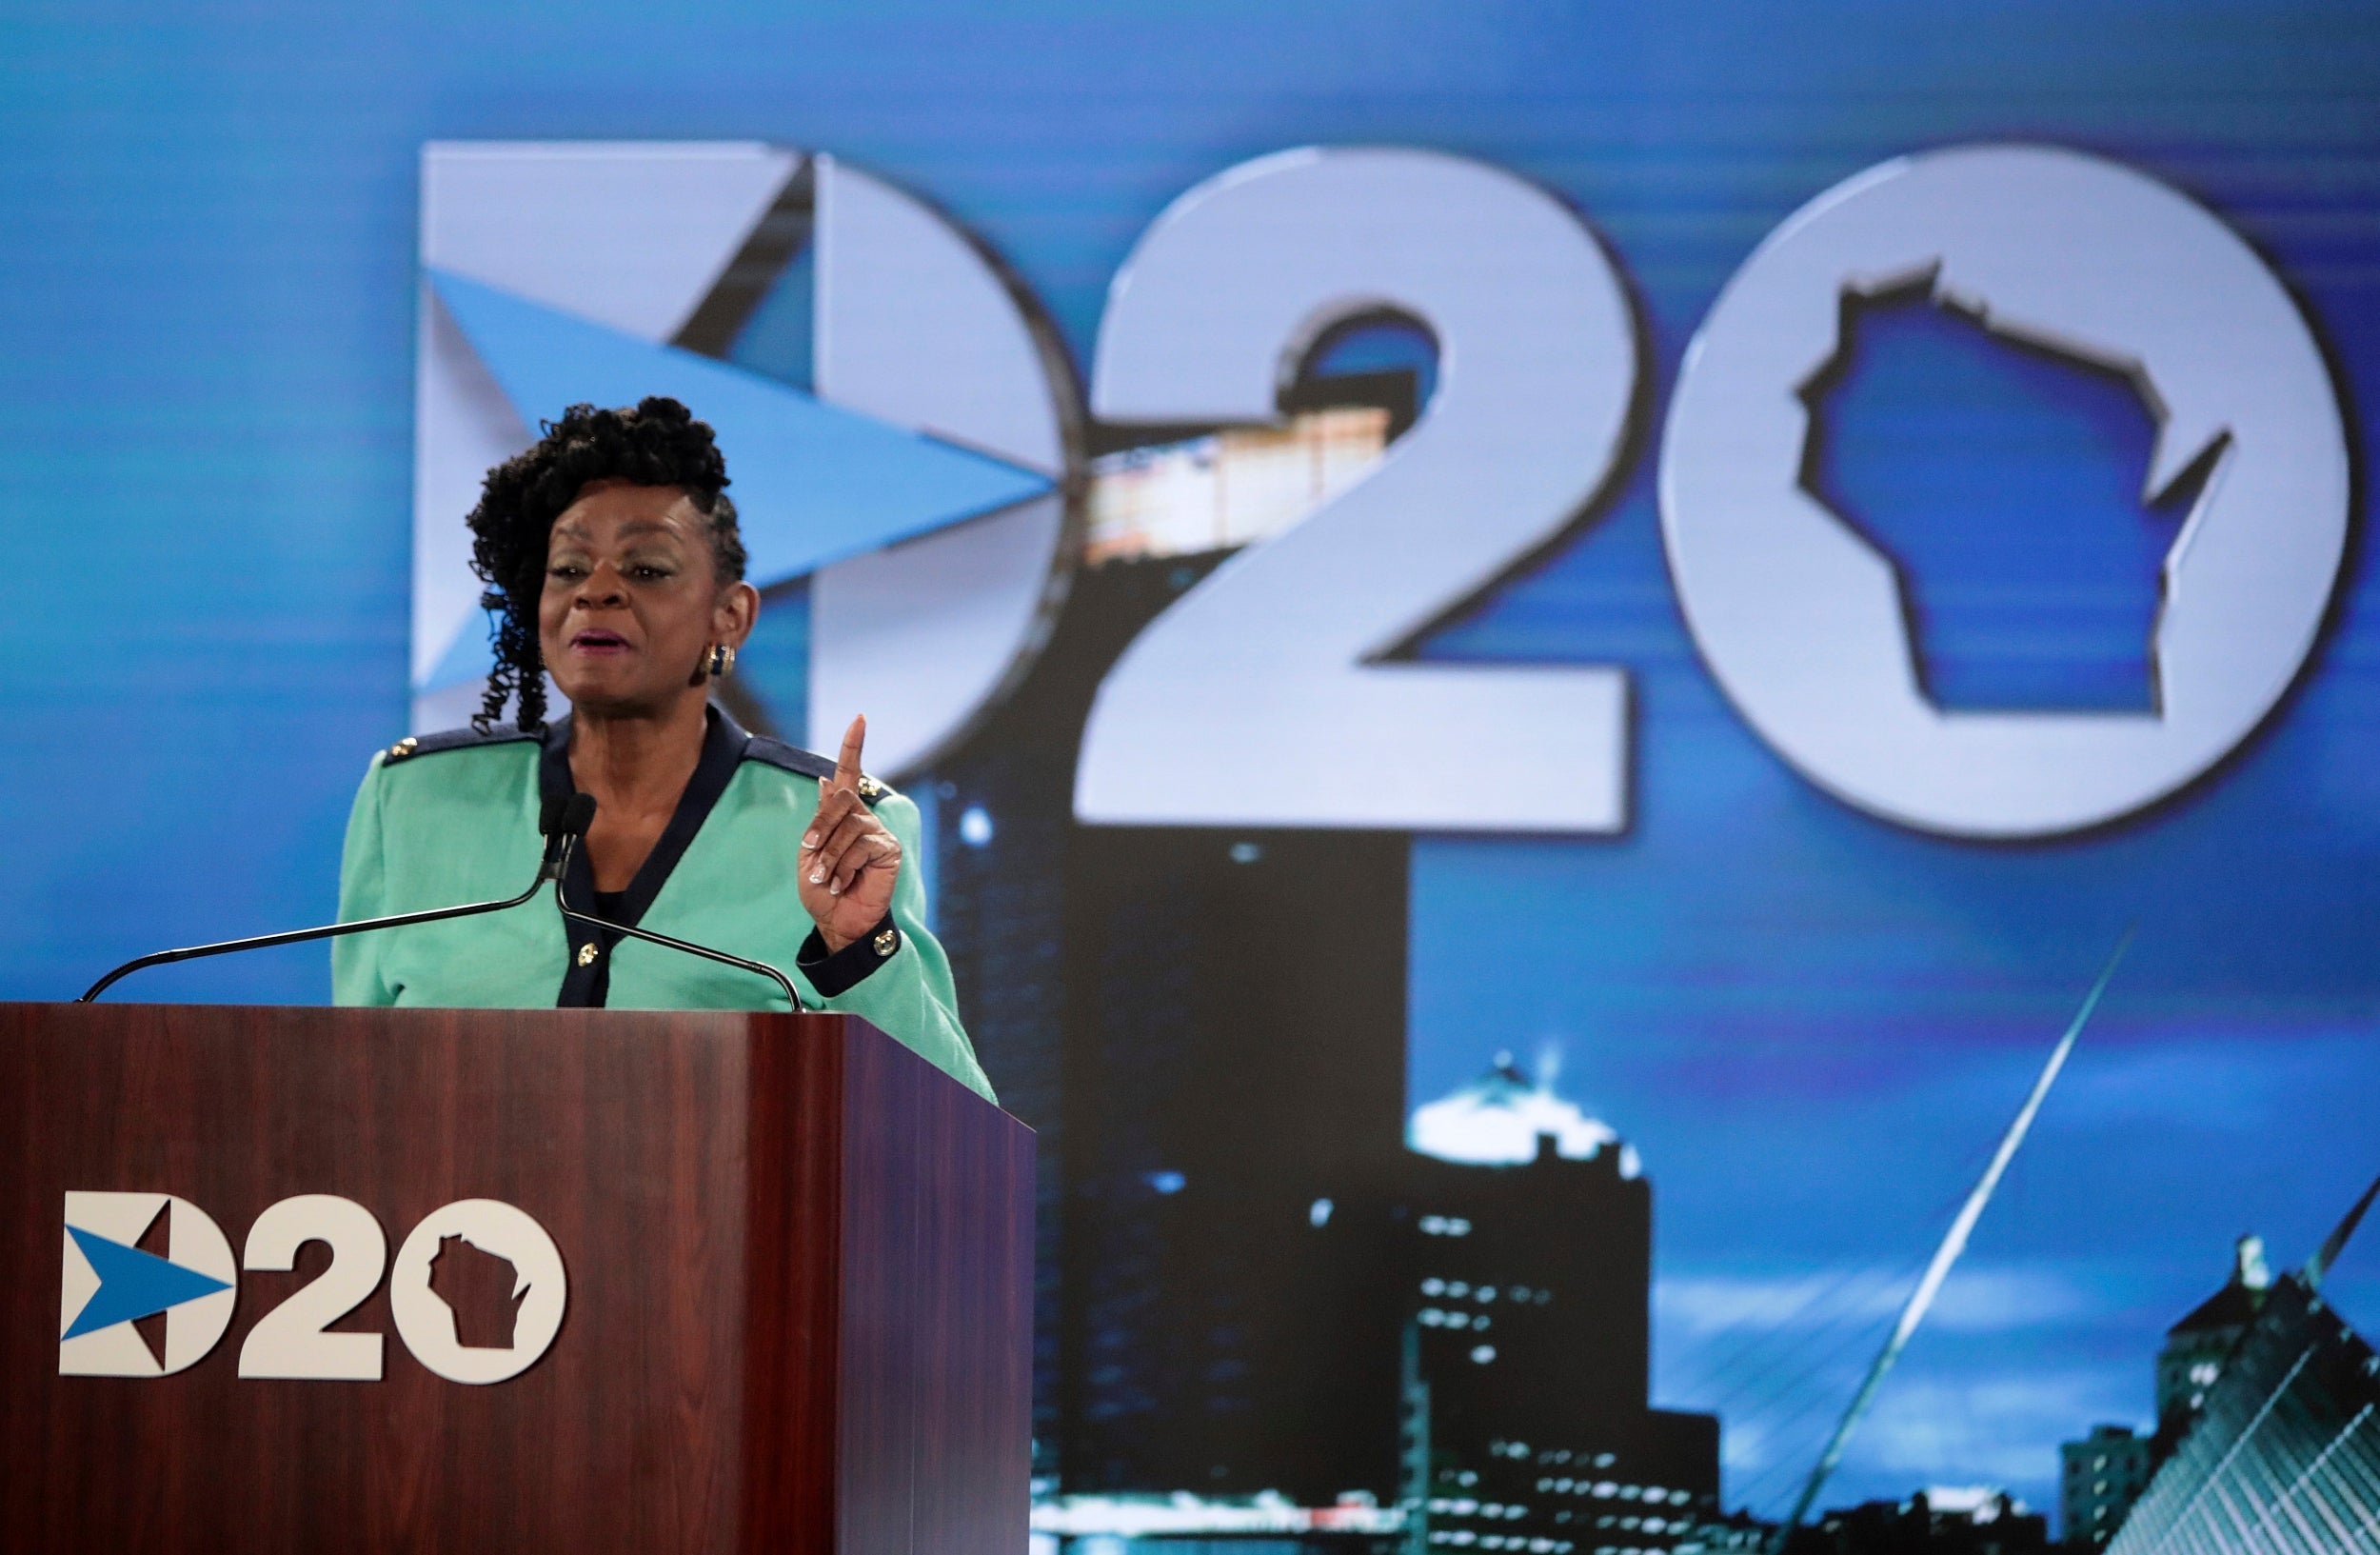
{"points": [[106, 1282]]}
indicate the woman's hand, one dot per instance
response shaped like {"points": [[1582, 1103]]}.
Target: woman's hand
{"points": [[849, 861]]}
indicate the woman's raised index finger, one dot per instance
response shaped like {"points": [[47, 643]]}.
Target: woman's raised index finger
{"points": [[847, 765]]}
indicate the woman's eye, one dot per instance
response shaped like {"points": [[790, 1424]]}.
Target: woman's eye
{"points": [[565, 569], [648, 574]]}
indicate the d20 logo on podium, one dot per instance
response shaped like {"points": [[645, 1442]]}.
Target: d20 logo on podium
{"points": [[477, 1293], [107, 1283]]}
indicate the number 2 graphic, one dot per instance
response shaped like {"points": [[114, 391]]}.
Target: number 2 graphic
{"points": [[1273, 663]]}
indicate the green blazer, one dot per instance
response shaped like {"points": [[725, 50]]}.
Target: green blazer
{"points": [[445, 818]]}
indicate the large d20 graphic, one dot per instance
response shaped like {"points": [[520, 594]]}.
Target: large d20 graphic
{"points": [[899, 423]]}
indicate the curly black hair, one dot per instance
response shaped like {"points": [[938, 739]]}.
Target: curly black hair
{"points": [[659, 443]]}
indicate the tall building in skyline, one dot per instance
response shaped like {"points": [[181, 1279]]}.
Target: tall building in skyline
{"points": [[1207, 1030], [1531, 1247], [2281, 1452], [2196, 1348], [2104, 1475], [2284, 1458], [2099, 1479]]}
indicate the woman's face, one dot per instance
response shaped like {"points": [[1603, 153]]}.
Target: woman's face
{"points": [[632, 602]]}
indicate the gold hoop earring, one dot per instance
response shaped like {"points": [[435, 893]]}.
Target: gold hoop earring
{"points": [[720, 662]]}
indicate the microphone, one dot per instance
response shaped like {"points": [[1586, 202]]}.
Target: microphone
{"points": [[555, 820], [564, 822], [578, 813]]}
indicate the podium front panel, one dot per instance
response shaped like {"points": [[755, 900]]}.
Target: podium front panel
{"points": [[797, 1262]]}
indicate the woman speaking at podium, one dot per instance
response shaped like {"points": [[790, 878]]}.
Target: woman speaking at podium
{"points": [[613, 563]]}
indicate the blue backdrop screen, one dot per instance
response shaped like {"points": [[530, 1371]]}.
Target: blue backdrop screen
{"points": [[1809, 1016]]}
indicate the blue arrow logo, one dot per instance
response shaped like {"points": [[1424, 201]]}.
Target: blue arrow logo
{"points": [[132, 1283], [814, 483]]}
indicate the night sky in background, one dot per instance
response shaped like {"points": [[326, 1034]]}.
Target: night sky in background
{"points": [[1812, 1024]]}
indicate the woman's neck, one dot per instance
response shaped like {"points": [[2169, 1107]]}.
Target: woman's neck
{"points": [[637, 769]]}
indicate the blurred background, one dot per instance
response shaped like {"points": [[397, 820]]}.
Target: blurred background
{"points": [[1544, 645]]}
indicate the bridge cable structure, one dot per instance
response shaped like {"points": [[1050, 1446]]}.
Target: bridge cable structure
{"points": [[1954, 1243]]}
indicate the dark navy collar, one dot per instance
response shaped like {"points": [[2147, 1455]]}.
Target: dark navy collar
{"points": [[588, 983]]}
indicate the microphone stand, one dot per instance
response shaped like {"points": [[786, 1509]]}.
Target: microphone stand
{"points": [[563, 828], [550, 870], [759, 968]]}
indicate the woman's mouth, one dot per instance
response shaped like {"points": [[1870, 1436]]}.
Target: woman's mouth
{"points": [[595, 640]]}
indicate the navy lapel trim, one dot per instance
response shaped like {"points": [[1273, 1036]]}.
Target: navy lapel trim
{"points": [[589, 985]]}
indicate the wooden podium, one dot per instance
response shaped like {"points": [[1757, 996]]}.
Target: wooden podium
{"points": [[798, 1268]]}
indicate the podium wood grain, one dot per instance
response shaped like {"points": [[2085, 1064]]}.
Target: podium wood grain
{"points": [[799, 1262]]}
